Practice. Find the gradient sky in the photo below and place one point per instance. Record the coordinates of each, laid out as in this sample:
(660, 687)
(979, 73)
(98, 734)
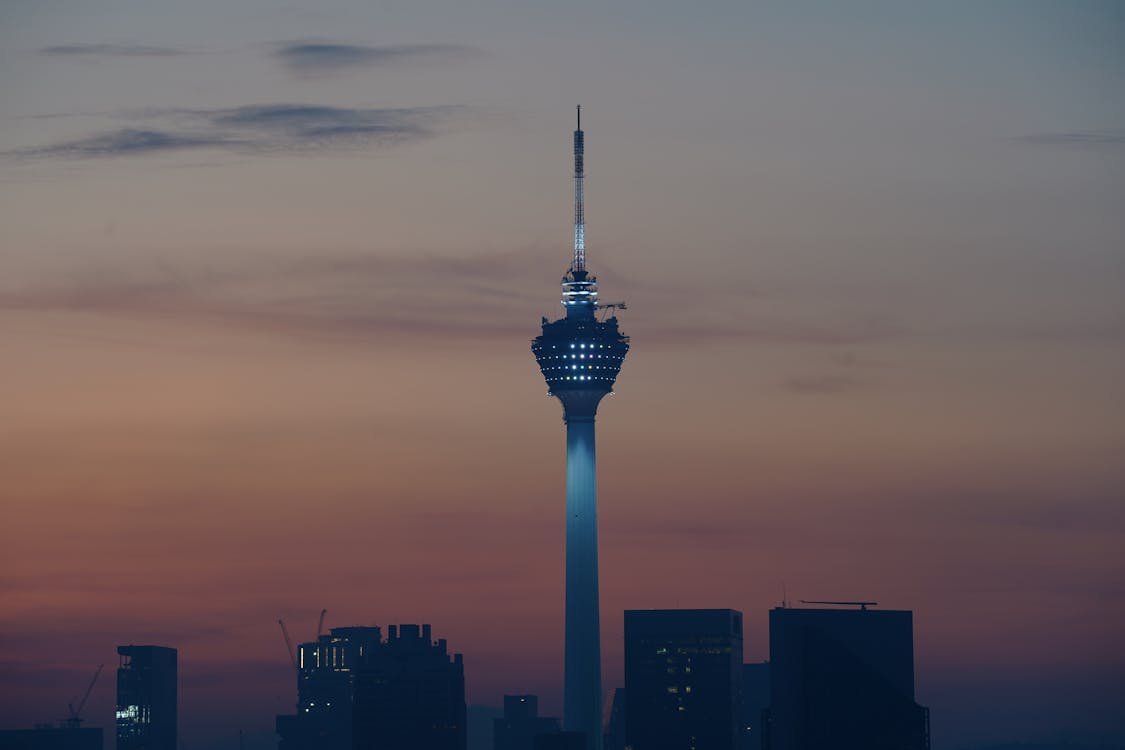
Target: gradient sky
(269, 273)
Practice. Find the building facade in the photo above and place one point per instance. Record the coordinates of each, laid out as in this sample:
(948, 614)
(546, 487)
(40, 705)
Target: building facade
(563, 740)
(409, 694)
(52, 738)
(521, 724)
(843, 679)
(326, 670)
(147, 679)
(683, 679)
(755, 702)
(615, 721)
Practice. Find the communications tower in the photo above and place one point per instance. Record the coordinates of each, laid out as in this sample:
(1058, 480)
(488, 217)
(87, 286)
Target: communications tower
(580, 356)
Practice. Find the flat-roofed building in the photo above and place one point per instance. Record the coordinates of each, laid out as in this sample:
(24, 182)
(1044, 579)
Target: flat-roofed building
(683, 679)
(843, 679)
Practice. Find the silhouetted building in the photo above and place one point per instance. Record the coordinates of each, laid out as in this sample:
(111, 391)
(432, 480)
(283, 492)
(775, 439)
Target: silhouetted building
(521, 723)
(409, 694)
(615, 722)
(683, 679)
(843, 679)
(146, 698)
(52, 738)
(325, 685)
(580, 357)
(755, 702)
(561, 741)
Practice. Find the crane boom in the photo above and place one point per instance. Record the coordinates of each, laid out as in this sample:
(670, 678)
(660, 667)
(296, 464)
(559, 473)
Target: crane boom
(288, 644)
(75, 719)
(320, 625)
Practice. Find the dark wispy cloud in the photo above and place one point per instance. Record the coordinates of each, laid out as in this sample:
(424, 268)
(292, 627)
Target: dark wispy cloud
(124, 142)
(312, 58)
(1100, 138)
(109, 50)
(255, 128)
(300, 126)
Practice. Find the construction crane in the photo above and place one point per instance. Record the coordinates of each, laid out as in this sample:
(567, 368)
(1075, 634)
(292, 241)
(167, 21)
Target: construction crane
(74, 721)
(611, 306)
(862, 605)
(289, 641)
(288, 644)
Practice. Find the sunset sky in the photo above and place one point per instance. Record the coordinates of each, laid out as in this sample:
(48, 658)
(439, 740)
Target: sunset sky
(269, 272)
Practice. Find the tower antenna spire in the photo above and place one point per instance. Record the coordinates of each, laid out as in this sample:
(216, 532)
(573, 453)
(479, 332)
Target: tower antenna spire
(579, 264)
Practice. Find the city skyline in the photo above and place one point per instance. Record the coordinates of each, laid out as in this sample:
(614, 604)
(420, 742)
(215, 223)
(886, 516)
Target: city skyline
(270, 276)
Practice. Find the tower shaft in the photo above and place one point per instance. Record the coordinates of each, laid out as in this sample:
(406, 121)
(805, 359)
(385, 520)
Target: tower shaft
(582, 710)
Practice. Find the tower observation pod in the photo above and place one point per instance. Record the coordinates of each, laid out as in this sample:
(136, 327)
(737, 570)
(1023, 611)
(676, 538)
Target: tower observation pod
(580, 357)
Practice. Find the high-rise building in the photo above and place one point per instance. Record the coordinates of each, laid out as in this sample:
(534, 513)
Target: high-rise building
(683, 679)
(755, 702)
(521, 723)
(580, 357)
(563, 740)
(325, 684)
(843, 679)
(409, 694)
(52, 738)
(615, 722)
(146, 698)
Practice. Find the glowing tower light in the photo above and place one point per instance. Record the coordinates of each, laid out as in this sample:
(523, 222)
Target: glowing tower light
(580, 357)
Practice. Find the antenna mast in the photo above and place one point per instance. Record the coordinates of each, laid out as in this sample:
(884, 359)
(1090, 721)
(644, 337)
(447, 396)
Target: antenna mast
(862, 605)
(579, 264)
